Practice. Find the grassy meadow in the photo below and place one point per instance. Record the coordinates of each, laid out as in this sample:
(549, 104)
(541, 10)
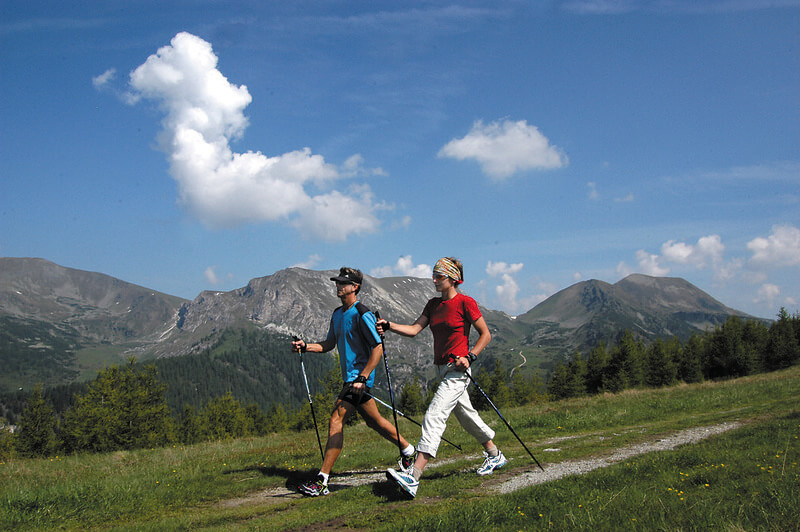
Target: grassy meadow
(747, 478)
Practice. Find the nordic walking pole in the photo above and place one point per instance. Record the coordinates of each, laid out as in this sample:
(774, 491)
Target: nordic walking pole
(411, 420)
(310, 402)
(501, 417)
(389, 384)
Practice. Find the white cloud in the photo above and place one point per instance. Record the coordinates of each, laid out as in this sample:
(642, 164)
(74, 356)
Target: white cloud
(211, 275)
(354, 167)
(503, 149)
(577, 276)
(707, 252)
(781, 248)
(507, 292)
(617, 7)
(494, 269)
(203, 113)
(649, 264)
(623, 270)
(104, 79)
(403, 267)
(402, 223)
(309, 263)
(625, 199)
(767, 294)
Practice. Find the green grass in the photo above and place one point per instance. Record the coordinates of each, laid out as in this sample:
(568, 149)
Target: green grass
(744, 479)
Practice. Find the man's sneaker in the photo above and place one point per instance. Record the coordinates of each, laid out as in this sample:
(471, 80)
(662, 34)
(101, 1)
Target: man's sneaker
(406, 463)
(313, 488)
(491, 463)
(406, 481)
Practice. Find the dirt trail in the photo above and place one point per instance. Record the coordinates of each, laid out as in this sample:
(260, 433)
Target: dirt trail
(505, 480)
(580, 467)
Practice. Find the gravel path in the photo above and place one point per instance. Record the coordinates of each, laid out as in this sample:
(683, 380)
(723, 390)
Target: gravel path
(580, 467)
(505, 480)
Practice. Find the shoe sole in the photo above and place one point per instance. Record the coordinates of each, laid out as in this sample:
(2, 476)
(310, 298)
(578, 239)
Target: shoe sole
(402, 486)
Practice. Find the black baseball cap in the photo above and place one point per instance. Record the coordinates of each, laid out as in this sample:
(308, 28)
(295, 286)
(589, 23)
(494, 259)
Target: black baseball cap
(348, 275)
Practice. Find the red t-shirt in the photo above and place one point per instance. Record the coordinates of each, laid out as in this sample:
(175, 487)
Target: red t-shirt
(450, 322)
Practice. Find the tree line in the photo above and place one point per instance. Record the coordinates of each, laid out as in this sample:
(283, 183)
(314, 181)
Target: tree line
(737, 348)
(127, 407)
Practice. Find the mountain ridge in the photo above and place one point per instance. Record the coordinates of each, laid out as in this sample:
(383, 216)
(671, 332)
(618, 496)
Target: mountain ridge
(93, 313)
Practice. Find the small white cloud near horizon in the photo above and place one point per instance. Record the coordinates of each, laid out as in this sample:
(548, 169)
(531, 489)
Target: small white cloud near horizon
(310, 263)
(221, 188)
(767, 294)
(403, 267)
(707, 252)
(211, 275)
(507, 292)
(505, 148)
(781, 248)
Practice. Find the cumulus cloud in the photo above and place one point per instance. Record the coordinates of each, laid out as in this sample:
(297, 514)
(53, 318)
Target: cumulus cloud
(781, 248)
(650, 264)
(505, 148)
(403, 267)
(707, 252)
(507, 291)
(767, 294)
(104, 79)
(204, 112)
(211, 275)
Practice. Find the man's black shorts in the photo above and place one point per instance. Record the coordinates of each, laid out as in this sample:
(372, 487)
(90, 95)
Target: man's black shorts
(357, 399)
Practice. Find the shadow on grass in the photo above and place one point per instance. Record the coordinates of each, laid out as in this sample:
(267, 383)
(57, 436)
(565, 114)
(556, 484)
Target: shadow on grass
(294, 477)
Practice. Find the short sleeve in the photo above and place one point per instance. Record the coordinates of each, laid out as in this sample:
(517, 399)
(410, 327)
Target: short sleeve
(368, 329)
(472, 310)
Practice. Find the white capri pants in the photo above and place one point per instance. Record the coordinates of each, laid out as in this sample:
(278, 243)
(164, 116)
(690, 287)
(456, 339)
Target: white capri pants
(451, 396)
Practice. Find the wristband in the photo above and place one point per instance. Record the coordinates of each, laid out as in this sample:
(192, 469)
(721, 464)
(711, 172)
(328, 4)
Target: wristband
(361, 379)
(471, 357)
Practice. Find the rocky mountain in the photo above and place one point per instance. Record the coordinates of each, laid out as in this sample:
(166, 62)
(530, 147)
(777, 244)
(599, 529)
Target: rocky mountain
(298, 301)
(585, 313)
(58, 324)
(97, 307)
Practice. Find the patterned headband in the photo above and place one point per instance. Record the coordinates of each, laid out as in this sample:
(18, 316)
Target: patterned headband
(447, 267)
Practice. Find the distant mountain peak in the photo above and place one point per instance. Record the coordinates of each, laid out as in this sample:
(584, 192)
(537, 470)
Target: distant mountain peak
(44, 306)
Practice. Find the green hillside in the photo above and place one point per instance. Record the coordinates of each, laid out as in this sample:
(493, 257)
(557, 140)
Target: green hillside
(716, 455)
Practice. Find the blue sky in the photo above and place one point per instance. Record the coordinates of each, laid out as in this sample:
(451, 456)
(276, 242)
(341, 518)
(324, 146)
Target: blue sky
(189, 146)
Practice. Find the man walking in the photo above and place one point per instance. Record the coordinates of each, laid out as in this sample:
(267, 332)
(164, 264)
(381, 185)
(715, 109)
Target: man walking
(352, 331)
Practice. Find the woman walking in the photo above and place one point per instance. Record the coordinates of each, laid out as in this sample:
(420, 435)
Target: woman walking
(450, 317)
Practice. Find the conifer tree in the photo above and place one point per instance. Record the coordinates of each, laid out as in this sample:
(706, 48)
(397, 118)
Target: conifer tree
(124, 408)
(225, 417)
(36, 435)
(560, 385)
(411, 400)
(782, 349)
(661, 369)
(690, 356)
(595, 368)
